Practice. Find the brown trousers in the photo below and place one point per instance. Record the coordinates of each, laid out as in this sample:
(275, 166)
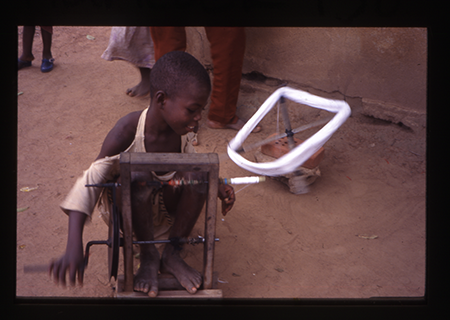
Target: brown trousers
(227, 47)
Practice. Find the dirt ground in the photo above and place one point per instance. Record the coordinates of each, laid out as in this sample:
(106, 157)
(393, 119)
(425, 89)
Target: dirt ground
(273, 244)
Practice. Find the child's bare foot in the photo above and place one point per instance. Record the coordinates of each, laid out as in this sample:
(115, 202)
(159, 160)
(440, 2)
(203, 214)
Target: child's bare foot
(142, 88)
(146, 278)
(235, 124)
(188, 277)
(139, 90)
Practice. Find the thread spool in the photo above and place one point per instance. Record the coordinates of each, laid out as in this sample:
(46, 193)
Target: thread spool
(242, 180)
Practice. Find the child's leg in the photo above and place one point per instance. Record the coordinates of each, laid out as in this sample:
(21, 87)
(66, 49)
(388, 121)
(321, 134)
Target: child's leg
(27, 43)
(185, 204)
(47, 42)
(146, 278)
(143, 87)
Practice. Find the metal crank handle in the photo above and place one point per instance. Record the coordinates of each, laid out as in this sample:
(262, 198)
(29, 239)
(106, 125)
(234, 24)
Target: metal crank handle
(37, 268)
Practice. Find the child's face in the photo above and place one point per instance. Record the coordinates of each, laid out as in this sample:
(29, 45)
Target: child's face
(183, 111)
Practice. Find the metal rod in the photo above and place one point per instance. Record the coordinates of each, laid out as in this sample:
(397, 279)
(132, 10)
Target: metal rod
(88, 246)
(34, 268)
(40, 268)
(181, 240)
(104, 185)
(287, 123)
(283, 135)
(182, 182)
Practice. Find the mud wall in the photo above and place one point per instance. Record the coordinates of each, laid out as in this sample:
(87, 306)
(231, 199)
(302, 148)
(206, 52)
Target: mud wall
(383, 68)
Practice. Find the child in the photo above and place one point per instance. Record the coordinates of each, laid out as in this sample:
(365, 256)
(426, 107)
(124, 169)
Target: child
(27, 46)
(179, 89)
(135, 45)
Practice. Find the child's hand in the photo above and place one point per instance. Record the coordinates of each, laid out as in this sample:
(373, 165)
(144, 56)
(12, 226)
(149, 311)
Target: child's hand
(226, 194)
(70, 262)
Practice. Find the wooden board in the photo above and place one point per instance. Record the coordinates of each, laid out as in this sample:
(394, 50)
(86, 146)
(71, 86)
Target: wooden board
(168, 282)
(195, 162)
(174, 294)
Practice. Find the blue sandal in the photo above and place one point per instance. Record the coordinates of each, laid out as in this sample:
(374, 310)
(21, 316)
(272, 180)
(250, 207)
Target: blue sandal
(22, 64)
(47, 65)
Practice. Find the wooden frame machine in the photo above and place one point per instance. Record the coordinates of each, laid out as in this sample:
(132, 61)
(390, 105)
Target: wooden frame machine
(189, 162)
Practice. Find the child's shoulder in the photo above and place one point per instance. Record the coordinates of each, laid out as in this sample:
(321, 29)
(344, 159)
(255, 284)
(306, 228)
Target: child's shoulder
(125, 128)
(121, 135)
(129, 122)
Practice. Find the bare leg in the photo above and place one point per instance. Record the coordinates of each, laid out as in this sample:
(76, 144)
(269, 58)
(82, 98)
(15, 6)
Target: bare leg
(185, 204)
(27, 43)
(47, 44)
(143, 87)
(146, 278)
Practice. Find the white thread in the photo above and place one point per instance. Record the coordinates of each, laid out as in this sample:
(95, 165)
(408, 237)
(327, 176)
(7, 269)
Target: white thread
(242, 188)
(297, 156)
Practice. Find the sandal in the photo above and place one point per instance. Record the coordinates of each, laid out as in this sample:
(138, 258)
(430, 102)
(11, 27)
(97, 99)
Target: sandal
(22, 64)
(47, 65)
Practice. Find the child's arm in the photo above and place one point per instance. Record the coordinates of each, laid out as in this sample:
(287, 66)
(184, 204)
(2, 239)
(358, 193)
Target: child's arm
(117, 140)
(72, 260)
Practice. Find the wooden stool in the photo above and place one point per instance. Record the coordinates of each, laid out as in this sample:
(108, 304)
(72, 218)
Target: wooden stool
(163, 162)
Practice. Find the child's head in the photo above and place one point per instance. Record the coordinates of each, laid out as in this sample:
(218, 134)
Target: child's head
(179, 88)
(175, 71)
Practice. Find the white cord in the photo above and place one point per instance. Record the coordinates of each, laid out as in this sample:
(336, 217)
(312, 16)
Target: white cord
(242, 188)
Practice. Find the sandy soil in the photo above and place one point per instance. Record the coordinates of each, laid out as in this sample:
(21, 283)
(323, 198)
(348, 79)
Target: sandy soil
(273, 244)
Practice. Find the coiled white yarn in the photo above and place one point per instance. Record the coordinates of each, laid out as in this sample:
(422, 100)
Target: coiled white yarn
(297, 156)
